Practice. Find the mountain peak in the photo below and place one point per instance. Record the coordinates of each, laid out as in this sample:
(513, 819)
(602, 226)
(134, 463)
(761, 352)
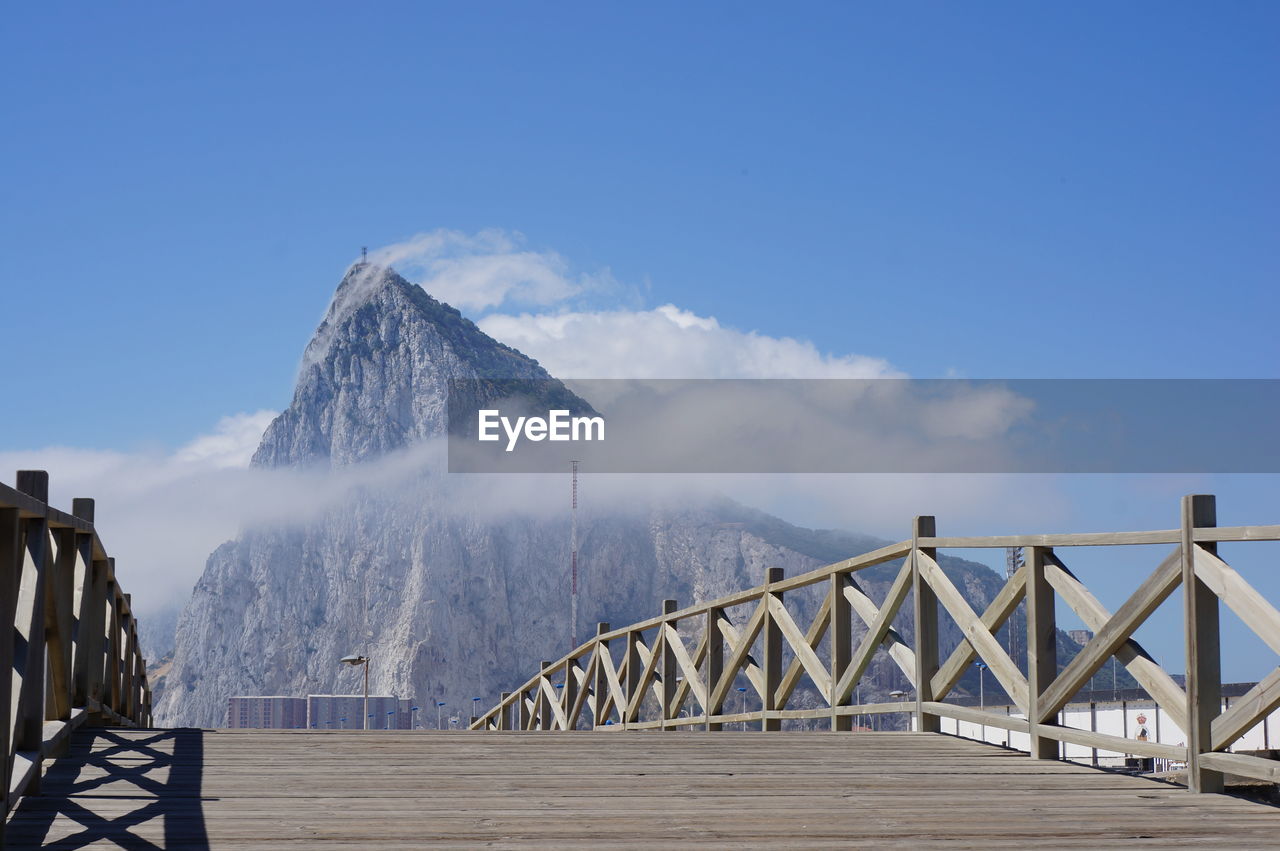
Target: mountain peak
(375, 376)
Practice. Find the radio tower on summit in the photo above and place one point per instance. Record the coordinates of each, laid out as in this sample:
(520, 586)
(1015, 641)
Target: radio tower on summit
(573, 557)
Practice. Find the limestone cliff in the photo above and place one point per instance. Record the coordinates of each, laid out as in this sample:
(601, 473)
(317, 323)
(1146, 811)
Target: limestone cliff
(450, 603)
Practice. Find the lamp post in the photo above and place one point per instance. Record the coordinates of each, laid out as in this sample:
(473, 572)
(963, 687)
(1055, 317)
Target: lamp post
(742, 705)
(982, 692)
(413, 717)
(389, 714)
(475, 707)
(343, 719)
(439, 709)
(354, 660)
(898, 694)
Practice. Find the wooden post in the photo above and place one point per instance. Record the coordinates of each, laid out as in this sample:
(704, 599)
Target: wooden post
(841, 635)
(926, 614)
(546, 719)
(10, 570)
(1042, 648)
(504, 712)
(523, 710)
(569, 694)
(772, 633)
(111, 686)
(1204, 658)
(635, 666)
(82, 628)
(96, 643)
(600, 687)
(130, 674)
(670, 669)
(57, 620)
(29, 654)
(715, 661)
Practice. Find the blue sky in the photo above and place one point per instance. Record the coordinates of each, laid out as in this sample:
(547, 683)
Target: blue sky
(995, 189)
(987, 190)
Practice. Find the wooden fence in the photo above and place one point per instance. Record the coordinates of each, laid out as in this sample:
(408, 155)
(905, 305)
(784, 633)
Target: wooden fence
(74, 651)
(644, 676)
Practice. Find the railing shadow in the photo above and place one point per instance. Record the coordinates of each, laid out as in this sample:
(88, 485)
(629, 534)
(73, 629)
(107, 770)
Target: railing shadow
(127, 786)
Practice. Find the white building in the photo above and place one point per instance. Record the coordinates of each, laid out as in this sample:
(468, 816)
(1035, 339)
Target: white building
(1130, 714)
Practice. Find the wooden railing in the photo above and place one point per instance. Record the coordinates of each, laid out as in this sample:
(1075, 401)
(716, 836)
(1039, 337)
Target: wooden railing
(66, 632)
(644, 676)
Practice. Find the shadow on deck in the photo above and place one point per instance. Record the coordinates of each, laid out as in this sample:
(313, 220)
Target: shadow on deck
(241, 789)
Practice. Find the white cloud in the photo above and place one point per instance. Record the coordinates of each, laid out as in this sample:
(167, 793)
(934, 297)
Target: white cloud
(232, 443)
(484, 270)
(159, 514)
(667, 342)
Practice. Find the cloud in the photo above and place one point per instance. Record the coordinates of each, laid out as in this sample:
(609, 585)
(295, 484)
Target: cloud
(232, 443)
(486, 269)
(667, 342)
(159, 514)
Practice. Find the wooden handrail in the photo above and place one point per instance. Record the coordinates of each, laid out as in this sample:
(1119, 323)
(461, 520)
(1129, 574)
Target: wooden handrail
(61, 614)
(644, 676)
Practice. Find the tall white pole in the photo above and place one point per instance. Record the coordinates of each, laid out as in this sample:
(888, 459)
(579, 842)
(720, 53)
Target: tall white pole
(573, 558)
(366, 692)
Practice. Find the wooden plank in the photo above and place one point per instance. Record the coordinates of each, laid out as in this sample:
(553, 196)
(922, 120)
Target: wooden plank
(1119, 744)
(875, 634)
(1204, 656)
(712, 645)
(998, 661)
(1042, 649)
(802, 646)
(862, 562)
(1107, 640)
(1242, 598)
(979, 716)
(1243, 765)
(812, 638)
(772, 649)
(1247, 711)
(839, 611)
(1162, 688)
(299, 789)
(894, 644)
(670, 672)
(10, 569)
(926, 623)
(1001, 607)
(690, 669)
(741, 643)
(1073, 539)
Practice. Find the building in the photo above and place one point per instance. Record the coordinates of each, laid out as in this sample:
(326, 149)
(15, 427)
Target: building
(1080, 636)
(274, 712)
(346, 712)
(1127, 713)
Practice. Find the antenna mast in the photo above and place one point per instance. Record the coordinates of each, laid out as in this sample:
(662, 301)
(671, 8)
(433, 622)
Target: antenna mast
(1012, 561)
(573, 558)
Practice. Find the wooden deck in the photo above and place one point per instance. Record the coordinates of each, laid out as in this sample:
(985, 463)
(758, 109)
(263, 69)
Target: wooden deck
(242, 789)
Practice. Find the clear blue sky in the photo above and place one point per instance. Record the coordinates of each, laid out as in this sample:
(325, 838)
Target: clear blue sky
(1000, 189)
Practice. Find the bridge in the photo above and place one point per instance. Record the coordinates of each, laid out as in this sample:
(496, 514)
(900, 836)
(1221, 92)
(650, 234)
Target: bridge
(631, 738)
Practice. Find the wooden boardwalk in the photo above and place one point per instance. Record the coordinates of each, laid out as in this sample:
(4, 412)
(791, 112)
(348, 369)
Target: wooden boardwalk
(239, 789)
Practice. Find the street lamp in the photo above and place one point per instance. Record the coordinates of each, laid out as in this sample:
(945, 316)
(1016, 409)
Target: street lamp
(439, 709)
(898, 693)
(475, 707)
(413, 718)
(354, 660)
(343, 719)
(982, 692)
(389, 714)
(742, 706)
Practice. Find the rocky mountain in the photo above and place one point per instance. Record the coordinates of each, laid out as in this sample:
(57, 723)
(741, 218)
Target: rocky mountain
(452, 592)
